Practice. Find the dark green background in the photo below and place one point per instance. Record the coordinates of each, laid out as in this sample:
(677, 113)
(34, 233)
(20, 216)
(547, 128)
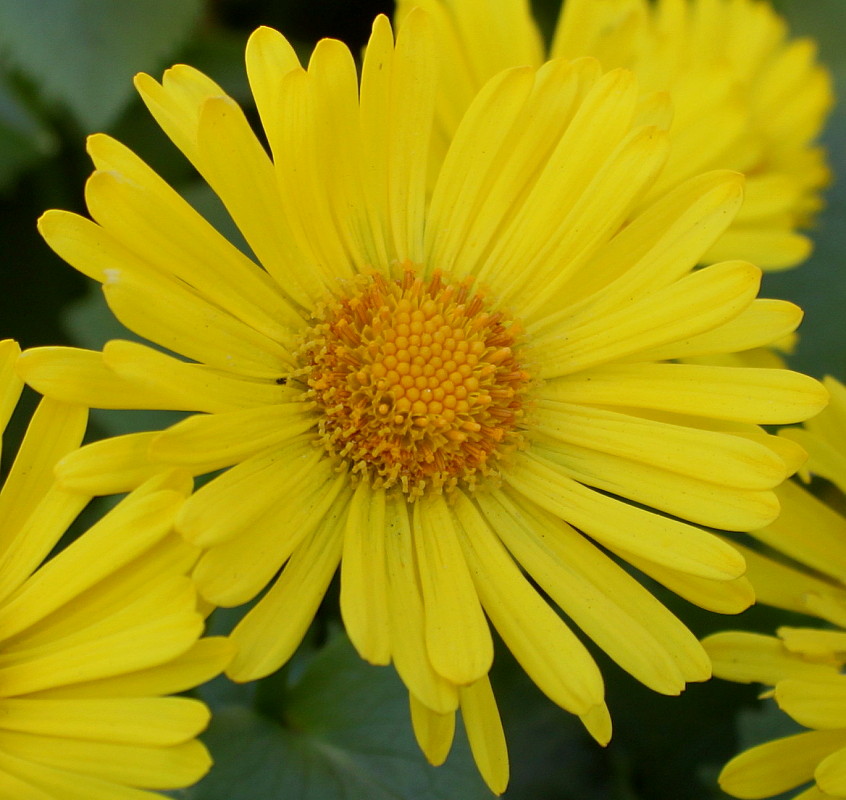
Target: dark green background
(329, 726)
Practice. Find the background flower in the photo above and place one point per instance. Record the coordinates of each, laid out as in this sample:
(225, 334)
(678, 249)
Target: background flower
(733, 74)
(549, 756)
(804, 665)
(93, 639)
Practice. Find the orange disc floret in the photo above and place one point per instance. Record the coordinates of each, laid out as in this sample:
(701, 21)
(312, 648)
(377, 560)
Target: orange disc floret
(418, 383)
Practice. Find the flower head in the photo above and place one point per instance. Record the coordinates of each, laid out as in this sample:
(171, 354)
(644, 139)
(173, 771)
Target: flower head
(807, 573)
(745, 95)
(437, 391)
(95, 637)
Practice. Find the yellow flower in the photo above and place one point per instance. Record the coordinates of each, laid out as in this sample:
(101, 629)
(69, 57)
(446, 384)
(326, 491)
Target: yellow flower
(804, 665)
(93, 638)
(745, 96)
(435, 391)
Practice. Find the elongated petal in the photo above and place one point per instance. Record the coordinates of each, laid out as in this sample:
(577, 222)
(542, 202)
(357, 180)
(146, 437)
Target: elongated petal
(109, 466)
(364, 590)
(10, 384)
(91, 558)
(242, 175)
(156, 721)
(692, 305)
(67, 784)
(549, 652)
(725, 458)
(760, 396)
(405, 601)
(599, 596)
(151, 767)
(188, 324)
(752, 657)
(54, 430)
(815, 705)
(656, 538)
(235, 571)
(698, 501)
(192, 387)
(283, 615)
(433, 731)
(484, 731)
(204, 660)
(780, 765)
(207, 443)
(457, 636)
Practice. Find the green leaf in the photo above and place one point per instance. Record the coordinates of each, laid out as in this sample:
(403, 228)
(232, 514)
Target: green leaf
(85, 52)
(344, 734)
(23, 139)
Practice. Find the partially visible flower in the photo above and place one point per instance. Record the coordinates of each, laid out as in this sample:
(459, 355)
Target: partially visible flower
(443, 391)
(745, 95)
(807, 573)
(92, 640)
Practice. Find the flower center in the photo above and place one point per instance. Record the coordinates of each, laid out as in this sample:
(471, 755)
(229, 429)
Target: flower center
(418, 383)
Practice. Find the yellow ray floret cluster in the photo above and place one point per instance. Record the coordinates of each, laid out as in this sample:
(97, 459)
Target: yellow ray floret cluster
(451, 389)
(804, 665)
(94, 639)
(745, 96)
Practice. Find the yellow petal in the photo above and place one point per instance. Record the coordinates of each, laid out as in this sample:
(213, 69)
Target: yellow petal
(484, 731)
(109, 466)
(208, 443)
(830, 774)
(27, 546)
(660, 539)
(780, 765)
(269, 56)
(149, 767)
(364, 590)
(661, 244)
(67, 784)
(433, 731)
(237, 569)
(191, 387)
(237, 168)
(271, 631)
(54, 430)
(599, 596)
(458, 639)
(539, 639)
(405, 602)
(808, 531)
(814, 705)
(191, 326)
(697, 303)
(176, 102)
(411, 113)
(10, 384)
(203, 661)
(158, 721)
(706, 455)
(118, 538)
(698, 501)
(721, 597)
(754, 658)
(121, 643)
(597, 722)
(759, 396)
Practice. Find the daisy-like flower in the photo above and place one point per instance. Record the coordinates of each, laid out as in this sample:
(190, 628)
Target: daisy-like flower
(804, 665)
(746, 96)
(435, 391)
(93, 639)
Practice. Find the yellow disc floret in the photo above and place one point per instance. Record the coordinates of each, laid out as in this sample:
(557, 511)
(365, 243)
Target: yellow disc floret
(417, 383)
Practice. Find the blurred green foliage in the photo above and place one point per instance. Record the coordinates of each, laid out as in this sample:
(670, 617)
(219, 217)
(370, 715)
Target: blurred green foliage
(330, 726)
